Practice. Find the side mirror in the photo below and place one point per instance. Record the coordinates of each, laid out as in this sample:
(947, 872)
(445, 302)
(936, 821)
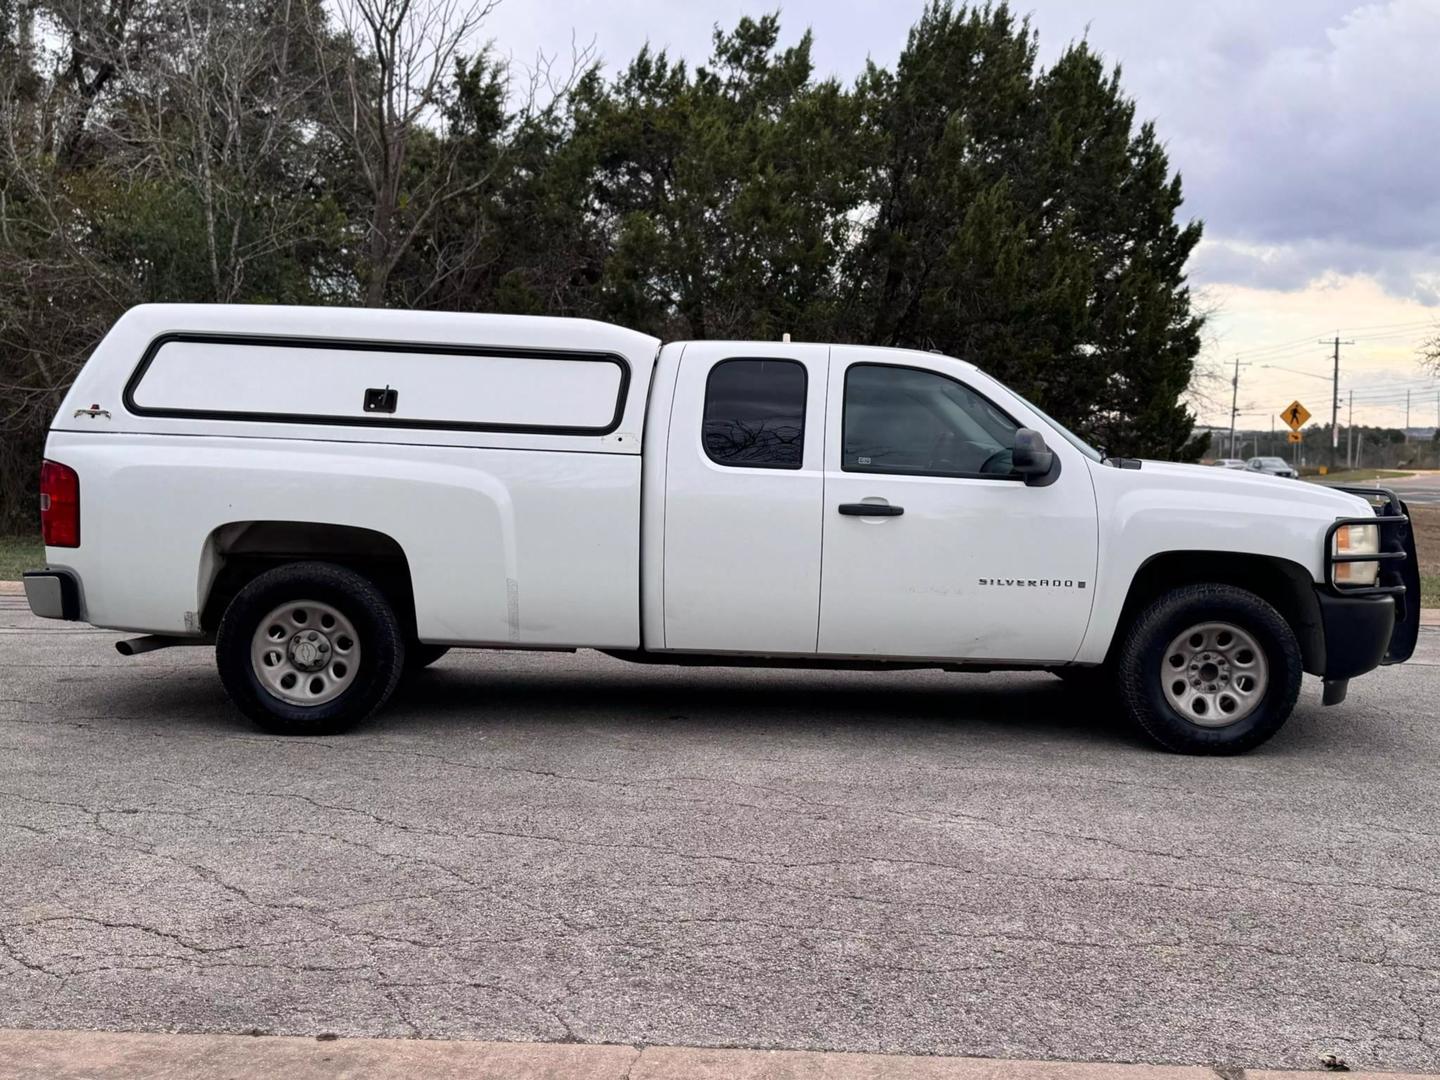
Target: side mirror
(1031, 458)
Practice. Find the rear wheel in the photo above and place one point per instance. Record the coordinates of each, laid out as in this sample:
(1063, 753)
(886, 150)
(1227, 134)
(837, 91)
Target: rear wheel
(309, 649)
(1210, 669)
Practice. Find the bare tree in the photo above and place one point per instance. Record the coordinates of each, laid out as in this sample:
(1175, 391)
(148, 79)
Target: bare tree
(1430, 353)
(99, 36)
(222, 111)
(387, 91)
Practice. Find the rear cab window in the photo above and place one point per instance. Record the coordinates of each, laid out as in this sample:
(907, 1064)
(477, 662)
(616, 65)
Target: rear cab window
(755, 413)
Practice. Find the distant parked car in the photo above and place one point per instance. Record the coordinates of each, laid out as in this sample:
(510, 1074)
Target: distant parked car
(1272, 466)
(1228, 463)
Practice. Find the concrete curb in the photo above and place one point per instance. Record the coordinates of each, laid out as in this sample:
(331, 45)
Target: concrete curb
(12, 588)
(104, 1055)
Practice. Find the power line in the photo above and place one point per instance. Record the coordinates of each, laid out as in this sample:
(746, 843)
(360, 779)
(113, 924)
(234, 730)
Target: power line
(1393, 393)
(1395, 329)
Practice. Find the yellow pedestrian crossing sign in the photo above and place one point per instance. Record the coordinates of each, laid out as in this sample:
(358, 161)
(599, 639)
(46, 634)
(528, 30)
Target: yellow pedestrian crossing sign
(1295, 415)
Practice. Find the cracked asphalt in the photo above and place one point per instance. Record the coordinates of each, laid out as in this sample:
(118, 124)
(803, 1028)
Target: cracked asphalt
(557, 847)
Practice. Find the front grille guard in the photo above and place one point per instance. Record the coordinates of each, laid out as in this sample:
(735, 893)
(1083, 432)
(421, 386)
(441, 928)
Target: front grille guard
(1399, 574)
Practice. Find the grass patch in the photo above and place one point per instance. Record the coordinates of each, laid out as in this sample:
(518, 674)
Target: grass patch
(1430, 590)
(19, 553)
(1356, 476)
(1426, 520)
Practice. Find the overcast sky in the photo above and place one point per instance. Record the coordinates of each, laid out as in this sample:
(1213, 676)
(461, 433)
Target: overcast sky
(1307, 133)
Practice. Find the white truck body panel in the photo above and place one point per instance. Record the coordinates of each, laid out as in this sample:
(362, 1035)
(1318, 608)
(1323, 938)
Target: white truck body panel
(503, 548)
(512, 477)
(1166, 507)
(742, 545)
(931, 584)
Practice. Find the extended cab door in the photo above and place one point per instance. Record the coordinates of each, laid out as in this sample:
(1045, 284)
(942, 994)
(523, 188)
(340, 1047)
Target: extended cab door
(960, 559)
(743, 487)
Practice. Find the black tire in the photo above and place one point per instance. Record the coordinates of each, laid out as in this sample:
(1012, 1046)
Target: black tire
(1141, 677)
(381, 643)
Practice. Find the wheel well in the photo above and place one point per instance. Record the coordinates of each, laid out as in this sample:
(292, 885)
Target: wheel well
(1284, 585)
(236, 553)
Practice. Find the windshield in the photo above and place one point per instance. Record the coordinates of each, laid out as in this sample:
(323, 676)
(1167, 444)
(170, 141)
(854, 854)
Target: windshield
(1070, 437)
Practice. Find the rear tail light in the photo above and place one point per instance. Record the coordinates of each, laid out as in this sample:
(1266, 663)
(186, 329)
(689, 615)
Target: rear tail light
(59, 505)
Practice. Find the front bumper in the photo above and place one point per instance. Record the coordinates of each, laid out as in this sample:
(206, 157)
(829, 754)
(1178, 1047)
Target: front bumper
(1358, 631)
(1372, 625)
(53, 594)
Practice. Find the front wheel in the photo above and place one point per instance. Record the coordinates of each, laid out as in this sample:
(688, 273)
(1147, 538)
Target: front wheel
(309, 648)
(1210, 669)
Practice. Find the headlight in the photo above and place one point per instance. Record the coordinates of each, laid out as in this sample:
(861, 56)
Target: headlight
(1356, 540)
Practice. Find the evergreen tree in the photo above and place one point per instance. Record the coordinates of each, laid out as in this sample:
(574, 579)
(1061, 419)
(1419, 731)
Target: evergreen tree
(727, 192)
(1023, 223)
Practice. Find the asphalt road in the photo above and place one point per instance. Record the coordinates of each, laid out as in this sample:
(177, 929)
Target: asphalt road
(1422, 489)
(530, 847)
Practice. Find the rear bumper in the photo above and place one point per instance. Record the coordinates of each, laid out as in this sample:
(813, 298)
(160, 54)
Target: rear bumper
(53, 594)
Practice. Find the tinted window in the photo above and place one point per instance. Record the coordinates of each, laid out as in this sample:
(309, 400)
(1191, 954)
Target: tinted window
(904, 420)
(755, 413)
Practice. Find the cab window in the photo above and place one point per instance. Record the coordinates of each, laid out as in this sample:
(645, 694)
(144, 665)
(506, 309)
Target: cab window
(755, 414)
(907, 420)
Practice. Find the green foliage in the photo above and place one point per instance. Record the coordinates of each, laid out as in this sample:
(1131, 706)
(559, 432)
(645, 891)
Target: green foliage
(1024, 223)
(964, 200)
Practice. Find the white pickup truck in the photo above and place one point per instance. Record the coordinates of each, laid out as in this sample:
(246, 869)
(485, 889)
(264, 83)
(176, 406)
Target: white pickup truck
(333, 496)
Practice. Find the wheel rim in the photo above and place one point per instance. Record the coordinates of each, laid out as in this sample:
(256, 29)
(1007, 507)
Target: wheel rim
(305, 653)
(1214, 674)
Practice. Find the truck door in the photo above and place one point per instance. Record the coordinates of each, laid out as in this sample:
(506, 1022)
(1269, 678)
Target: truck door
(960, 558)
(743, 487)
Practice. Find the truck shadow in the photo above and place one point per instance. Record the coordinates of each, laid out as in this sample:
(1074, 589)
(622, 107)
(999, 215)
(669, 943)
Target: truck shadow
(485, 694)
(732, 699)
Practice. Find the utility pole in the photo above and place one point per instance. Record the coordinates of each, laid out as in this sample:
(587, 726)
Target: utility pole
(1407, 416)
(1235, 402)
(1335, 401)
(1350, 435)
